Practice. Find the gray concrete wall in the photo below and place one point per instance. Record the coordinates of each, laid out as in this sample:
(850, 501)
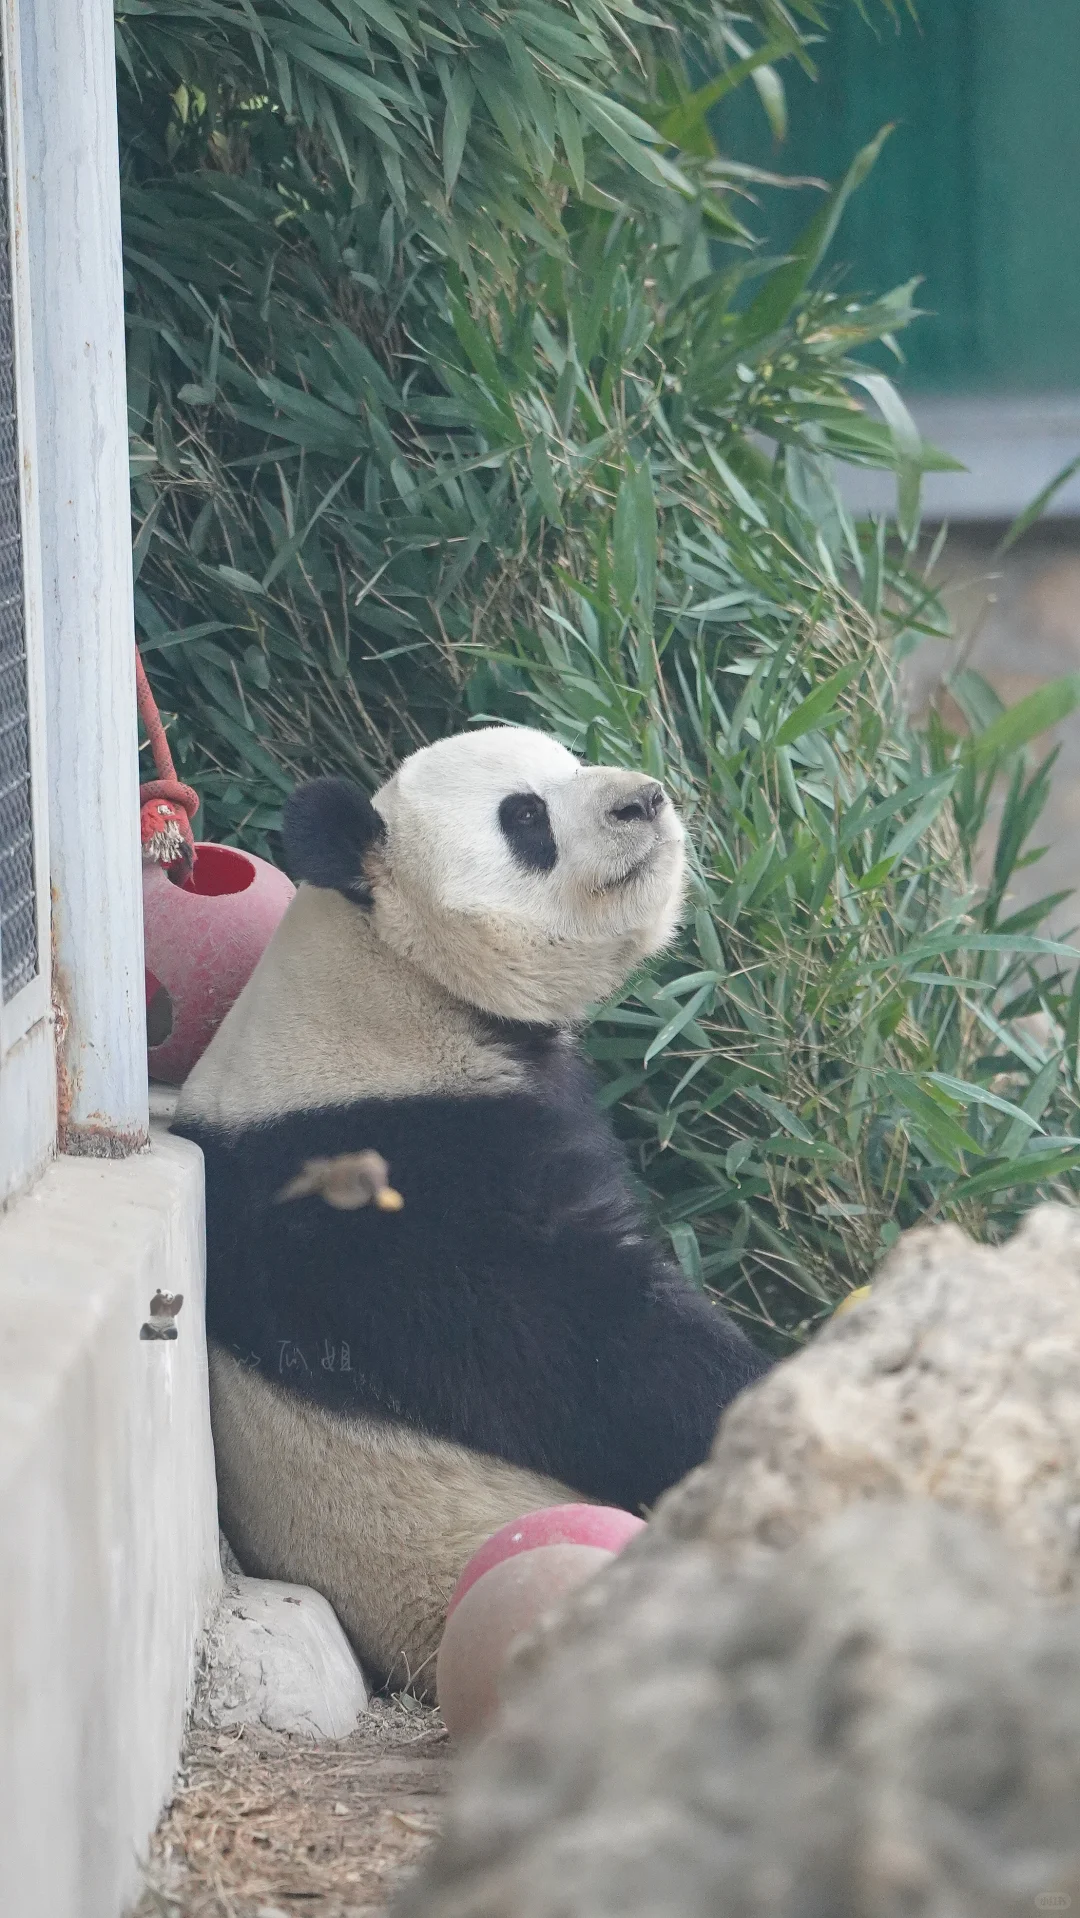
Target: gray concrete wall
(108, 1529)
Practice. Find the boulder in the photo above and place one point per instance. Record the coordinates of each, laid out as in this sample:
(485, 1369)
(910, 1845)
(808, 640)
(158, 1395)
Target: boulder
(275, 1655)
(956, 1379)
(864, 1594)
(883, 1722)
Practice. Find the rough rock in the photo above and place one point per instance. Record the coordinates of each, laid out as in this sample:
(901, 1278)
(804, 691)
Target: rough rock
(957, 1379)
(275, 1655)
(838, 1676)
(882, 1723)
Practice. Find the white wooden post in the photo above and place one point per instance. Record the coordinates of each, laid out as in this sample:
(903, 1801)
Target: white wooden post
(73, 222)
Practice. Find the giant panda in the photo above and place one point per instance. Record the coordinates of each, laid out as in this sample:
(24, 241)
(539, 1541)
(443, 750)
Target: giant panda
(387, 1388)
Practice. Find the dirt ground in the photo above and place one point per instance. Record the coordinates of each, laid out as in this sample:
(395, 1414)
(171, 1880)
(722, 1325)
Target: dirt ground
(266, 1825)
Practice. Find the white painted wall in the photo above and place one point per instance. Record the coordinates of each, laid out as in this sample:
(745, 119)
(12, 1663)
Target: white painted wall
(73, 230)
(108, 1528)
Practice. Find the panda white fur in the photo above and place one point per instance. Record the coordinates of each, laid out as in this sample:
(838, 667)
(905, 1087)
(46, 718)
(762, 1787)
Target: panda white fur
(389, 1388)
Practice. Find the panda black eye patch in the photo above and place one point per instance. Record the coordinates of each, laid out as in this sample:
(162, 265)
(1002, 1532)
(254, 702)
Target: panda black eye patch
(526, 827)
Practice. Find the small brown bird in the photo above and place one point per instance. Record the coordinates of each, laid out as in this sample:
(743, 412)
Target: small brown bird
(348, 1182)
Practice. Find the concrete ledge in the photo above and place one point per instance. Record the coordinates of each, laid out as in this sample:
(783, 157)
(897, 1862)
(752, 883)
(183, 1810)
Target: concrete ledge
(1012, 445)
(108, 1521)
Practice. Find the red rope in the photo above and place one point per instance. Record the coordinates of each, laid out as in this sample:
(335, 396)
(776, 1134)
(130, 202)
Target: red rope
(167, 806)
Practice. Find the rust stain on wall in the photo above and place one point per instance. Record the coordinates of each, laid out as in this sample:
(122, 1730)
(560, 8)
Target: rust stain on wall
(94, 1137)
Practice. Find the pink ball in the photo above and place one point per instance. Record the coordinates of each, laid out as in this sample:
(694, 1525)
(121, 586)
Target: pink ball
(601, 1525)
(509, 1598)
(203, 942)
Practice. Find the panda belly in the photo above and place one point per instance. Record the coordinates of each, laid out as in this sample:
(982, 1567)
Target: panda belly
(378, 1517)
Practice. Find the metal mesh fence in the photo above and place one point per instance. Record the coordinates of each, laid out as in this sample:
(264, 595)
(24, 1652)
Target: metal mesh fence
(18, 914)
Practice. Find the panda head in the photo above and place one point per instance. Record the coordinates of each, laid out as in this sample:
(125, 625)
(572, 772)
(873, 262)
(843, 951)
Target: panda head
(523, 881)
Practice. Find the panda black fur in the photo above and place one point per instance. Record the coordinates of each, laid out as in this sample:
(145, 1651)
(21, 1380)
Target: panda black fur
(387, 1388)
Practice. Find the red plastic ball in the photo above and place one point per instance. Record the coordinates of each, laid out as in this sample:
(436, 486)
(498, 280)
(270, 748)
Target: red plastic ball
(519, 1573)
(203, 942)
(507, 1600)
(605, 1526)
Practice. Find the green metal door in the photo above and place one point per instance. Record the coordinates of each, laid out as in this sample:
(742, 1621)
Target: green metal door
(978, 189)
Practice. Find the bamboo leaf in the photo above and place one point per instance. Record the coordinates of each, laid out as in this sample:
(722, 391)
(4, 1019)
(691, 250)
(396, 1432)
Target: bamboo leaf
(1038, 506)
(456, 122)
(771, 307)
(813, 709)
(544, 479)
(685, 123)
(1044, 708)
(678, 1023)
(570, 135)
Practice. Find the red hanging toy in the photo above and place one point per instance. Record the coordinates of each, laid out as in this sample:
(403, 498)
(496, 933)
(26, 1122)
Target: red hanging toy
(209, 912)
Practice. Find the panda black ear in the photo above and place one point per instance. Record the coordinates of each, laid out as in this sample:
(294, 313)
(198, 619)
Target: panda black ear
(328, 827)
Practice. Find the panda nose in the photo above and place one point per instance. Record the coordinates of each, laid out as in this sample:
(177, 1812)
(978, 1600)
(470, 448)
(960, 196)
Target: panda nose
(644, 805)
